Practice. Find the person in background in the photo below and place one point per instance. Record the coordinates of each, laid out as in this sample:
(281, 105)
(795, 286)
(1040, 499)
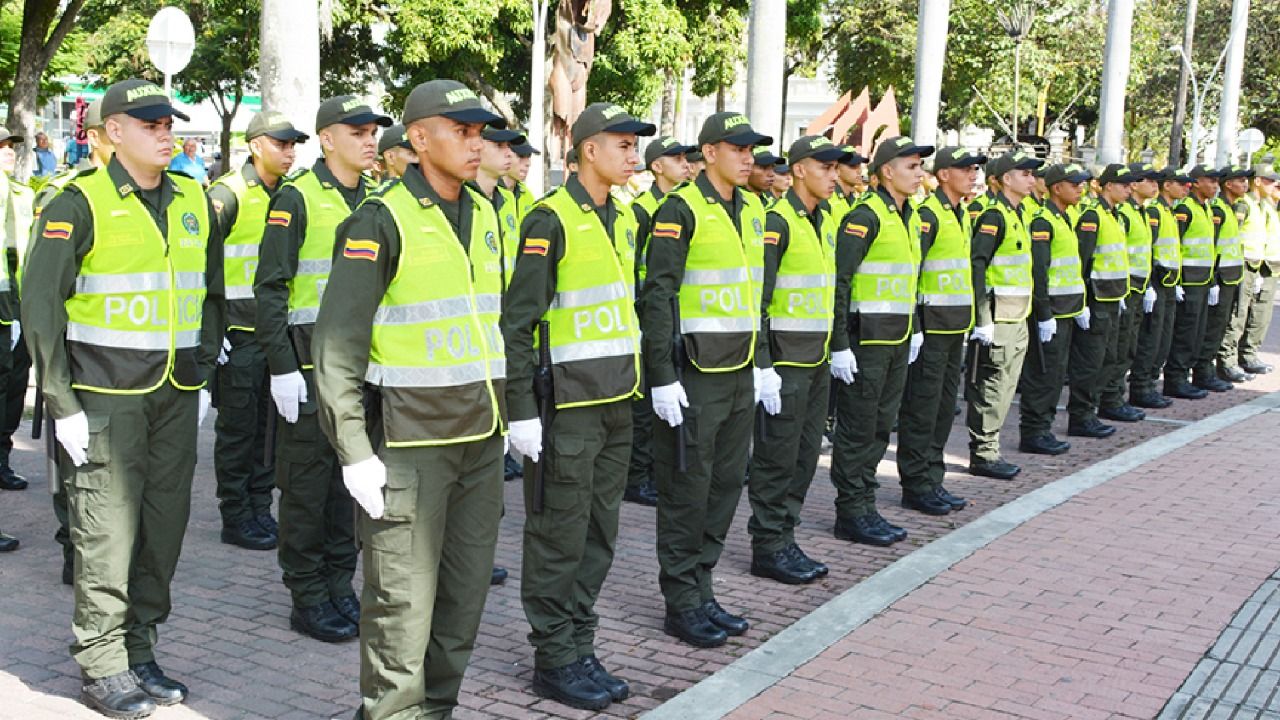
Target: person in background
(190, 162)
(46, 160)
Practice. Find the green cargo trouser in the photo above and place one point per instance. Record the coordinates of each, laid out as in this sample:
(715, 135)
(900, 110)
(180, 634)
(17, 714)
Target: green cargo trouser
(245, 475)
(640, 469)
(696, 507)
(1259, 321)
(15, 367)
(1121, 359)
(1215, 328)
(427, 562)
(867, 410)
(129, 506)
(1188, 333)
(1041, 389)
(1092, 352)
(928, 411)
(317, 549)
(1155, 335)
(784, 458)
(989, 398)
(568, 547)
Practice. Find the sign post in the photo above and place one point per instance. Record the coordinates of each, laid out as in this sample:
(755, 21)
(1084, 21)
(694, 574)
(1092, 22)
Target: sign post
(170, 42)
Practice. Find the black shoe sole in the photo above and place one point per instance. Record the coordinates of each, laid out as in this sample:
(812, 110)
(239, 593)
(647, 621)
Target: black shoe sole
(1032, 450)
(666, 628)
(166, 702)
(301, 627)
(552, 694)
(1095, 436)
(640, 500)
(232, 540)
(15, 486)
(849, 537)
(994, 475)
(1151, 405)
(92, 704)
(783, 578)
(934, 511)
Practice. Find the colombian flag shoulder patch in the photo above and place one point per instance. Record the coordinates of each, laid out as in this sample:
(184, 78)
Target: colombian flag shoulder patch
(58, 230)
(1042, 235)
(1153, 222)
(360, 250)
(279, 217)
(536, 246)
(667, 230)
(771, 238)
(1089, 227)
(987, 229)
(855, 229)
(925, 226)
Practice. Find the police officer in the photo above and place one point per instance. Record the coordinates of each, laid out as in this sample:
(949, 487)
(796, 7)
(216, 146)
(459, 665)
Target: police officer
(16, 213)
(413, 340)
(1197, 232)
(666, 159)
(1058, 297)
(123, 317)
(1260, 235)
(1231, 214)
(397, 155)
(1002, 287)
(781, 180)
(495, 162)
(987, 197)
(1138, 245)
(317, 549)
(1159, 303)
(515, 177)
(763, 169)
(706, 260)
(946, 314)
(798, 296)
(877, 262)
(697, 163)
(245, 473)
(575, 274)
(850, 183)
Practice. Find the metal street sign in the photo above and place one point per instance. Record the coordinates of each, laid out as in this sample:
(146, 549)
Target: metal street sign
(1250, 140)
(170, 42)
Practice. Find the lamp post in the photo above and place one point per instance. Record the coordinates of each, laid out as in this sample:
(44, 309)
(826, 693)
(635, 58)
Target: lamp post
(1016, 21)
(1199, 94)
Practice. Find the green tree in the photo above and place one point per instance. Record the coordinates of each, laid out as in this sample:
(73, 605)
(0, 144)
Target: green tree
(45, 26)
(644, 44)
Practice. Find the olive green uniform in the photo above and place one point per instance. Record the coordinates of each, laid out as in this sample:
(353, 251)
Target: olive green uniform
(867, 408)
(1128, 323)
(1155, 333)
(785, 456)
(130, 502)
(568, 546)
(1192, 312)
(317, 544)
(1093, 351)
(1045, 366)
(428, 559)
(993, 377)
(246, 475)
(1233, 338)
(1217, 317)
(640, 468)
(696, 507)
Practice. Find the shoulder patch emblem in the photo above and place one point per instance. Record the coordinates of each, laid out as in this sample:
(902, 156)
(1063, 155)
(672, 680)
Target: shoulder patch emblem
(667, 230)
(988, 229)
(58, 230)
(536, 246)
(360, 250)
(1042, 235)
(491, 241)
(757, 226)
(855, 229)
(771, 238)
(279, 217)
(1089, 227)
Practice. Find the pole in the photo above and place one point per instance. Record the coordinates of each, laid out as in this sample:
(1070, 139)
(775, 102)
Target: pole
(1229, 107)
(537, 98)
(931, 49)
(766, 48)
(1184, 73)
(1115, 76)
(1017, 86)
(289, 66)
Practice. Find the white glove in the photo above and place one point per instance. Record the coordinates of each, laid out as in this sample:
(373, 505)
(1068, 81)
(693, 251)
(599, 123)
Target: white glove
(1149, 300)
(205, 401)
(843, 366)
(224, 352)
(364, 482)
(15, 328)
(73, 434)
(984, 334)
(1179, 294)
(1047, 329)
(917, 342)
(288, 391)
(1257, 288)
(1082, 320)
(667, 401)
(1121, 304)
(1214, 292)
(769, 388)
(526, 437)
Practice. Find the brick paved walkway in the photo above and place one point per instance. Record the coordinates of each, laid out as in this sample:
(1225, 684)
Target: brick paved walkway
(229, 636)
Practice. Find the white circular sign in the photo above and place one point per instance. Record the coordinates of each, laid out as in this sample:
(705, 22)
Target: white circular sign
(1250, 140)
(170, 40)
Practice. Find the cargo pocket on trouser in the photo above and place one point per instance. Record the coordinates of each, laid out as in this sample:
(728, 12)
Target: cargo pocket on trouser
(390, 565)
(96, 501)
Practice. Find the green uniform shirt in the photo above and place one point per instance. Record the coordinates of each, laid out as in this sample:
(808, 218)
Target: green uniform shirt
(983, 248)
(1089, 238)
(773, 252)
(341, 343)
(51, 278)
(225, 204)
(852, 245)
(278, 263)
(1041, 256)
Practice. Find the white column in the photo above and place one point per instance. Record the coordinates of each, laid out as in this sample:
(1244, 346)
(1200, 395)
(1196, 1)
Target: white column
(289, 67)
(931, 49)
(766, 53)
(1229, 108)
(1115, 77)
(538, 100)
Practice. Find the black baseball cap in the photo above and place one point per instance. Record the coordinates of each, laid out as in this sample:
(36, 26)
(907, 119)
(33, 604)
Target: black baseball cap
(1144, 171)
(663, 147)
(502, 135)
(1204, 171)
(393, 137)
(782, 168)
(730, 127)
(1231, 172)
(694, 156)
(273, 125)
(896, 147)
(571, 157)
(605, 117)
(1118, 173)
(449, 98)
(1066, 172)
(1013, 160)
(524, 149)
(852, 157)
(817, 147)
(140, 99)
(764, 157)
(953, 156)
(348, 110)
(6, 135)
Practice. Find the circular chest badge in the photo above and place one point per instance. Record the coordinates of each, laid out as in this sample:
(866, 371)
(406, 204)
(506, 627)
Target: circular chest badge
(190, 223)
(758, 226)
(491, 242)
(631, 239)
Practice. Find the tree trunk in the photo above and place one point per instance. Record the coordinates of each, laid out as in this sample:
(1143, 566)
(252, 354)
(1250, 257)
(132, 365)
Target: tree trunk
(720, 98)
(289, 66)
(36, 48)
(668, 119)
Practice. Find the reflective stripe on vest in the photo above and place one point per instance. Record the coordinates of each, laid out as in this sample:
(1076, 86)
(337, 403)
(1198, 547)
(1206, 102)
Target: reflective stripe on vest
(1066, 286)
(1197, 245)
(720, 294)
(240, 249)
(593, 328)
(1229, 251)
(1166, 250)
(650, 204)
(884, 285)
(134, 320)
(946, 275)
(1109, 274)
(801, 309)
(1009, 273)
(326, 209)
(435, 351)
(1138, 244)
(1272, 252)
(1253, 234)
